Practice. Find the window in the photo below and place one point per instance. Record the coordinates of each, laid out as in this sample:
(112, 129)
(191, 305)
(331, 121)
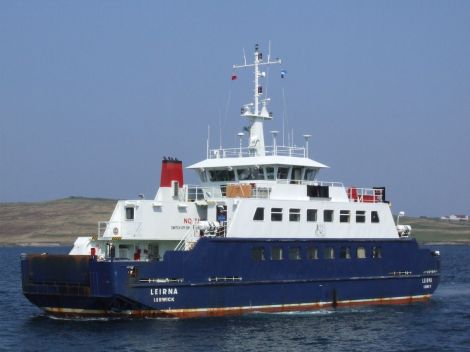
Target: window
(294, 253)
(311, 214)
(310, 174)
(202, 176)
(345, 253)
(344, 215)
(312, 253)
(129, 213)
(257, 253)
(221, 175)
(276, 253)
(374, 217)
(360, 216)
(296, 173)
(376, 252)
(251, 173)
(328, 215)
(329, 253)
(270, 173)
(282, 173)
(276, 214)
(361, 252)
(294, 214)
(259, 214)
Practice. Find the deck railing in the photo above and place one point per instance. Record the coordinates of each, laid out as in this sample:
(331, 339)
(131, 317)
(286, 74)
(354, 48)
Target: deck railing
(127, 229)
(365, 195)
(279, 150)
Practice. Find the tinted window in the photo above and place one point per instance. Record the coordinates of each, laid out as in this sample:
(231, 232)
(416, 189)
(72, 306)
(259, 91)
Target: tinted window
(311, 214)
(360, 216)
(282, 173)
(294, 214)
(222, 175)
(344, 216)
(276, 253)
(276, 214)
(259, 214)
(294, 253)
(312, 253)
(329, 253)
(374, 217)
(257, 253)
(376, 252)
(345, 253)
(270, 173)
(328, 215)
(130, 213)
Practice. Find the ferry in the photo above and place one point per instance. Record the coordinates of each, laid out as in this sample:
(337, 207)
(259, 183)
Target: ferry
(261, 233)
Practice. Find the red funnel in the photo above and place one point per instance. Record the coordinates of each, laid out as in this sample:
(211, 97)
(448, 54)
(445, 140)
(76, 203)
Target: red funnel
(172, 170)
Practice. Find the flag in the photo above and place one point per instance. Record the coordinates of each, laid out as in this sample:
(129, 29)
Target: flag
(283, 73)
(234, 77)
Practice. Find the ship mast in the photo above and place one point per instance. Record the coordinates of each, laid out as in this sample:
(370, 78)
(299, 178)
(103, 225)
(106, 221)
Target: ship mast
(252, 111)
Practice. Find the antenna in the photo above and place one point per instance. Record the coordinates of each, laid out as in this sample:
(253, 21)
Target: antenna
(306, 136)
(240, 136)
(269, 50)
(257, 112)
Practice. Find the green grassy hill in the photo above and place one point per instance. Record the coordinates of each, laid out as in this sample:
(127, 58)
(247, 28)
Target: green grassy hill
(53, 222)
(61, 221)
(436, 230)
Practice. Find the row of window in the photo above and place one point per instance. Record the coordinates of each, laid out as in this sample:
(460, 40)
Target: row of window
(312, 215)
(312, 253)
(259, 173)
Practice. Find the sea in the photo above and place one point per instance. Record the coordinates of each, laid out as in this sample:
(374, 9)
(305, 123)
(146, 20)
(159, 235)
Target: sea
(442, 324)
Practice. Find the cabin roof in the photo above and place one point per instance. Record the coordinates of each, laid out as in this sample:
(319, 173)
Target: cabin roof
(257, 160)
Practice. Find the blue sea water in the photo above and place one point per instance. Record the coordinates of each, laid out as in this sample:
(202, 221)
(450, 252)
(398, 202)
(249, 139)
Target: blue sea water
(443, 324)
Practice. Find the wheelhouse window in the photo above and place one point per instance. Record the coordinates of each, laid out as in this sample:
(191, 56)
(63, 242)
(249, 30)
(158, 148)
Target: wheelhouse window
(294, 214)
(282, 173)
(276, 253)
(251, 173)
(296, 174)
(376, 252)
(276, 214)
(312, 253)
(344, 215)
(129, 213)
(294, 253)
(329, 253)
(221, 175)
(345, 253)
(269, 173)
(374, 217)
(259, 214)
(328, 215)
(257, 253)
(361, 253)
(360, 216)
(311, 214)
(310, 174)
(202, 176)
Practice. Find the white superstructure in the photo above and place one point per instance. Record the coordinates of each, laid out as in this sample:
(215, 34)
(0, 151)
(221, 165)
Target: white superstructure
(253, 191)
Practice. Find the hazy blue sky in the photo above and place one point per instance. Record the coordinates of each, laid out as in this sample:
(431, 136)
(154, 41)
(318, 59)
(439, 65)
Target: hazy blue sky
(94, 93)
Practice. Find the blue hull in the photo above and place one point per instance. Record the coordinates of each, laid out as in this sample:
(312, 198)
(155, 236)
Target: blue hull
(222, 276)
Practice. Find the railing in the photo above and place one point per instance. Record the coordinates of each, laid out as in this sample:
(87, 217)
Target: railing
(311, 183)
(365, 195)
(127, 229)
(280, 150)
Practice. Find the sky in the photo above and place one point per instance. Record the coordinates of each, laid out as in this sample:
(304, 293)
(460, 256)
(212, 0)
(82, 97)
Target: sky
(94, 93)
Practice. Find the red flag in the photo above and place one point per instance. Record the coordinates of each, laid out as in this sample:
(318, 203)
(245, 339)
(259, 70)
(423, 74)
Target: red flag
(234, 77)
